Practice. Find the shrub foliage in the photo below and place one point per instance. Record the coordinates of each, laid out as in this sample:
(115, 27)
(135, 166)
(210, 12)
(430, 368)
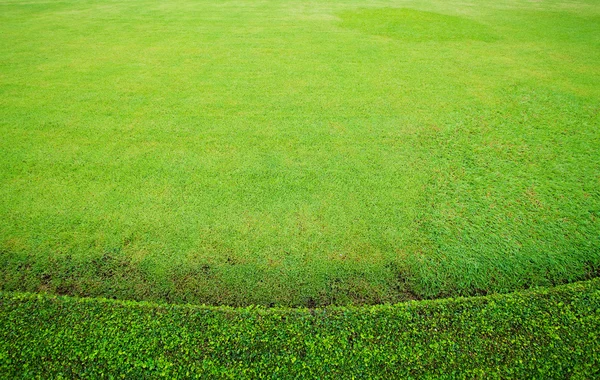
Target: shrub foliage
(546, 332)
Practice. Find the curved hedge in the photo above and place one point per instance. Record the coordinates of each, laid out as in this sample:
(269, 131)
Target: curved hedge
(545, 333)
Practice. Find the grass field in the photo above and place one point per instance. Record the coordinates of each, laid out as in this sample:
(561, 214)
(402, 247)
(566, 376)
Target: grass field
(298, 153)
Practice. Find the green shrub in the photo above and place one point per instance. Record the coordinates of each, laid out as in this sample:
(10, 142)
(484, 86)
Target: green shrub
(549, 333)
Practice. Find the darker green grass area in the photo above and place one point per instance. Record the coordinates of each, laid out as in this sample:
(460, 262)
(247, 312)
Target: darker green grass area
(292, 154)
(416, 26)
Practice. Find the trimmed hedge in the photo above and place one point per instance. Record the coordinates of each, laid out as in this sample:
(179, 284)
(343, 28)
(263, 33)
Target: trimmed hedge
(544, 333)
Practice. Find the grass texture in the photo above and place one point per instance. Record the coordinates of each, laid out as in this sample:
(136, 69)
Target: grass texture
(298, 153)
(547, 333)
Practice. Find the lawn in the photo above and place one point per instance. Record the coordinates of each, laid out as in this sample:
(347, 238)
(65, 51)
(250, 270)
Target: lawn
(298, 153)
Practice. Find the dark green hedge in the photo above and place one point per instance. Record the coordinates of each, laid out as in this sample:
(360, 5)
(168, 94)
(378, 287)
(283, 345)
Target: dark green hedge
(545, 333)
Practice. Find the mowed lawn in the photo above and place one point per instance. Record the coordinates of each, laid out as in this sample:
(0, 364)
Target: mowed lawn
(296, 153)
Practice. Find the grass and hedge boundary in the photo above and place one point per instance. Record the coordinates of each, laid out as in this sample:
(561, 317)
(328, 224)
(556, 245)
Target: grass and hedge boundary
(544, 332)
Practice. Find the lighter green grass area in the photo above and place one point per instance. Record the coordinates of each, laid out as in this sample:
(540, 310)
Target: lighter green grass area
(298, 153)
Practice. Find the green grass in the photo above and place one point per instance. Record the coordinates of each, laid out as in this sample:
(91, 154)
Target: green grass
(547, 333)
(298, 153)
